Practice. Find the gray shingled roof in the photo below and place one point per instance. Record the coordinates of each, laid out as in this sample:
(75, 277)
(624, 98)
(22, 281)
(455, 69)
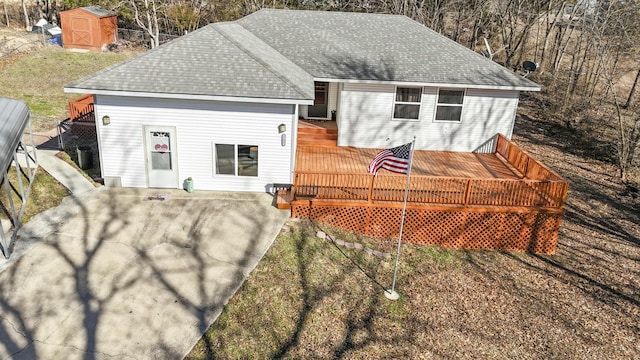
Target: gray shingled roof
(360, 46)
(206, 62)
(276, 54)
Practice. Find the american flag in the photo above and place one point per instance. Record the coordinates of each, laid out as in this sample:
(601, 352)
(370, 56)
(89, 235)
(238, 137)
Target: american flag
(395, 159)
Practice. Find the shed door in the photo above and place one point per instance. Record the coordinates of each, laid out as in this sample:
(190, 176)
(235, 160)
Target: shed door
(162, 169)
(81, 31)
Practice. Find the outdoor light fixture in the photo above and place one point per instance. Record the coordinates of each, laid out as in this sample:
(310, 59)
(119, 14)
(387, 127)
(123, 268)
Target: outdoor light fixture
(282, 128)
(106, 120)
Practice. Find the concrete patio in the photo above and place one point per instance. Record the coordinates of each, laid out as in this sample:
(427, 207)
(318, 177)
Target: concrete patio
(111, 275)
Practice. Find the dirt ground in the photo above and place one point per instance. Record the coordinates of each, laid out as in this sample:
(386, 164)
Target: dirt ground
(14, 42)
(598, 255)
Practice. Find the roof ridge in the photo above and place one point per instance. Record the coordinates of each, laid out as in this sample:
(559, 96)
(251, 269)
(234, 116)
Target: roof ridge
(351, 13)
(488, 61)
(134, 58)
(287, 77)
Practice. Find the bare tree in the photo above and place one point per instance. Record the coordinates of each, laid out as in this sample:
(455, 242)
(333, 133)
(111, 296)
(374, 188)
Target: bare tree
(593, 57)
(6, 13)
(628, 133)
(26, 15)
(553, 16)
(184, 16)
(515, 19)
(146, 15)
(632, 91)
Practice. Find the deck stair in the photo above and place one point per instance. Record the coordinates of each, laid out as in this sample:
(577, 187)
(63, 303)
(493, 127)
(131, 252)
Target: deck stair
(284, 198)
(317, 136)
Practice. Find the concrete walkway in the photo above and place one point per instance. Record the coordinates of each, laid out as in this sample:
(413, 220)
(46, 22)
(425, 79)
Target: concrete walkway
(110, 274)
(66, 174)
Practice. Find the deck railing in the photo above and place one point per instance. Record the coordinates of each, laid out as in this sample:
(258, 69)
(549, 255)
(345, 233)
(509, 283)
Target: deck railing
(431, 190)
(523, 162)
(82, 109)
(540, 187)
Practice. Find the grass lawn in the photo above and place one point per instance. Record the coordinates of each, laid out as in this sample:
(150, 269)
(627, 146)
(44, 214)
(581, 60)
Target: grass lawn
(46, 193)
(311, 298)
(38, 79)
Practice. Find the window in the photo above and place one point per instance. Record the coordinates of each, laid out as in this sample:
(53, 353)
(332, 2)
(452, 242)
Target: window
(449, 106)
(237, 160)
(407, 104)
(160, 150)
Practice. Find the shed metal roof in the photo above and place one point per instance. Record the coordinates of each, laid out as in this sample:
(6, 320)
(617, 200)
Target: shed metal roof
(98, 11)
(14, 116)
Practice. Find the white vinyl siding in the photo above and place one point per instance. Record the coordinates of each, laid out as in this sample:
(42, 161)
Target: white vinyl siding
(365, 116)
(199, 124)
(486, 113)
(333, 98)
(366, 112)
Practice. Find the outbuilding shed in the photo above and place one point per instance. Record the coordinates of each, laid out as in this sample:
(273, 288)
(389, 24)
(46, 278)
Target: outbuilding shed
(89, 27)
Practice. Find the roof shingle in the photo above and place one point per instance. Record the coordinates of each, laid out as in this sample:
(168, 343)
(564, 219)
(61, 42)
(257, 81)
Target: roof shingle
(205, 62)
(276, 54)
(380, 47)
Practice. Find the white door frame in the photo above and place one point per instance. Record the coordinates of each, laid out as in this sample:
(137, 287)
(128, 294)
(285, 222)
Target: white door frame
(156, 147)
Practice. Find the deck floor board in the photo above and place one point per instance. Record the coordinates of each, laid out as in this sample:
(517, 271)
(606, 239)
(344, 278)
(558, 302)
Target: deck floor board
(350, 160)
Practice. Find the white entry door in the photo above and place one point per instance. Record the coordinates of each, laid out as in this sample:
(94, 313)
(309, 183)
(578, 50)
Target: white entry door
(162, 167)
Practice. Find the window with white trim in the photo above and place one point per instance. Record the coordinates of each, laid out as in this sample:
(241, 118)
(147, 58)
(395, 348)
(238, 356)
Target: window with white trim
(236, 160)
(449, 106)
(407, 103)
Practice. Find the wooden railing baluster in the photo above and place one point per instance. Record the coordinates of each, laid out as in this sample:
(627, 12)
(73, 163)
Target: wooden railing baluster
(541, 187)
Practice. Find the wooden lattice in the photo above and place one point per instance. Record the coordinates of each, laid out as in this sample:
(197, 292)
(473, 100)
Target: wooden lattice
(86, 132)
(516, 206)
(530, 230)
(82, 117)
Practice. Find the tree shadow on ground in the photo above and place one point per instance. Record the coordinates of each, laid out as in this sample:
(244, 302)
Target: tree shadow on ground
(599, 242)
(109, 259)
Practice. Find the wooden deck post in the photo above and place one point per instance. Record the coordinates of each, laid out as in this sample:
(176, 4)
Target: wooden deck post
(294, 188)
(467, 192)
(370, 195)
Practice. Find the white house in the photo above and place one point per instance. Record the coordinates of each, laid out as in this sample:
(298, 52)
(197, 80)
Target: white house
(221, 105)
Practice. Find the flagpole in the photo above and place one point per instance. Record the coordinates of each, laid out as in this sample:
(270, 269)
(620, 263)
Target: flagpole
(392, 294)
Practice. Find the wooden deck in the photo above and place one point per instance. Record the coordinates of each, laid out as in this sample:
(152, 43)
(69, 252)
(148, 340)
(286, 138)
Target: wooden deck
(317, 124)
(437, 178)
(349, 160)
(502, 200)
(317, 133)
